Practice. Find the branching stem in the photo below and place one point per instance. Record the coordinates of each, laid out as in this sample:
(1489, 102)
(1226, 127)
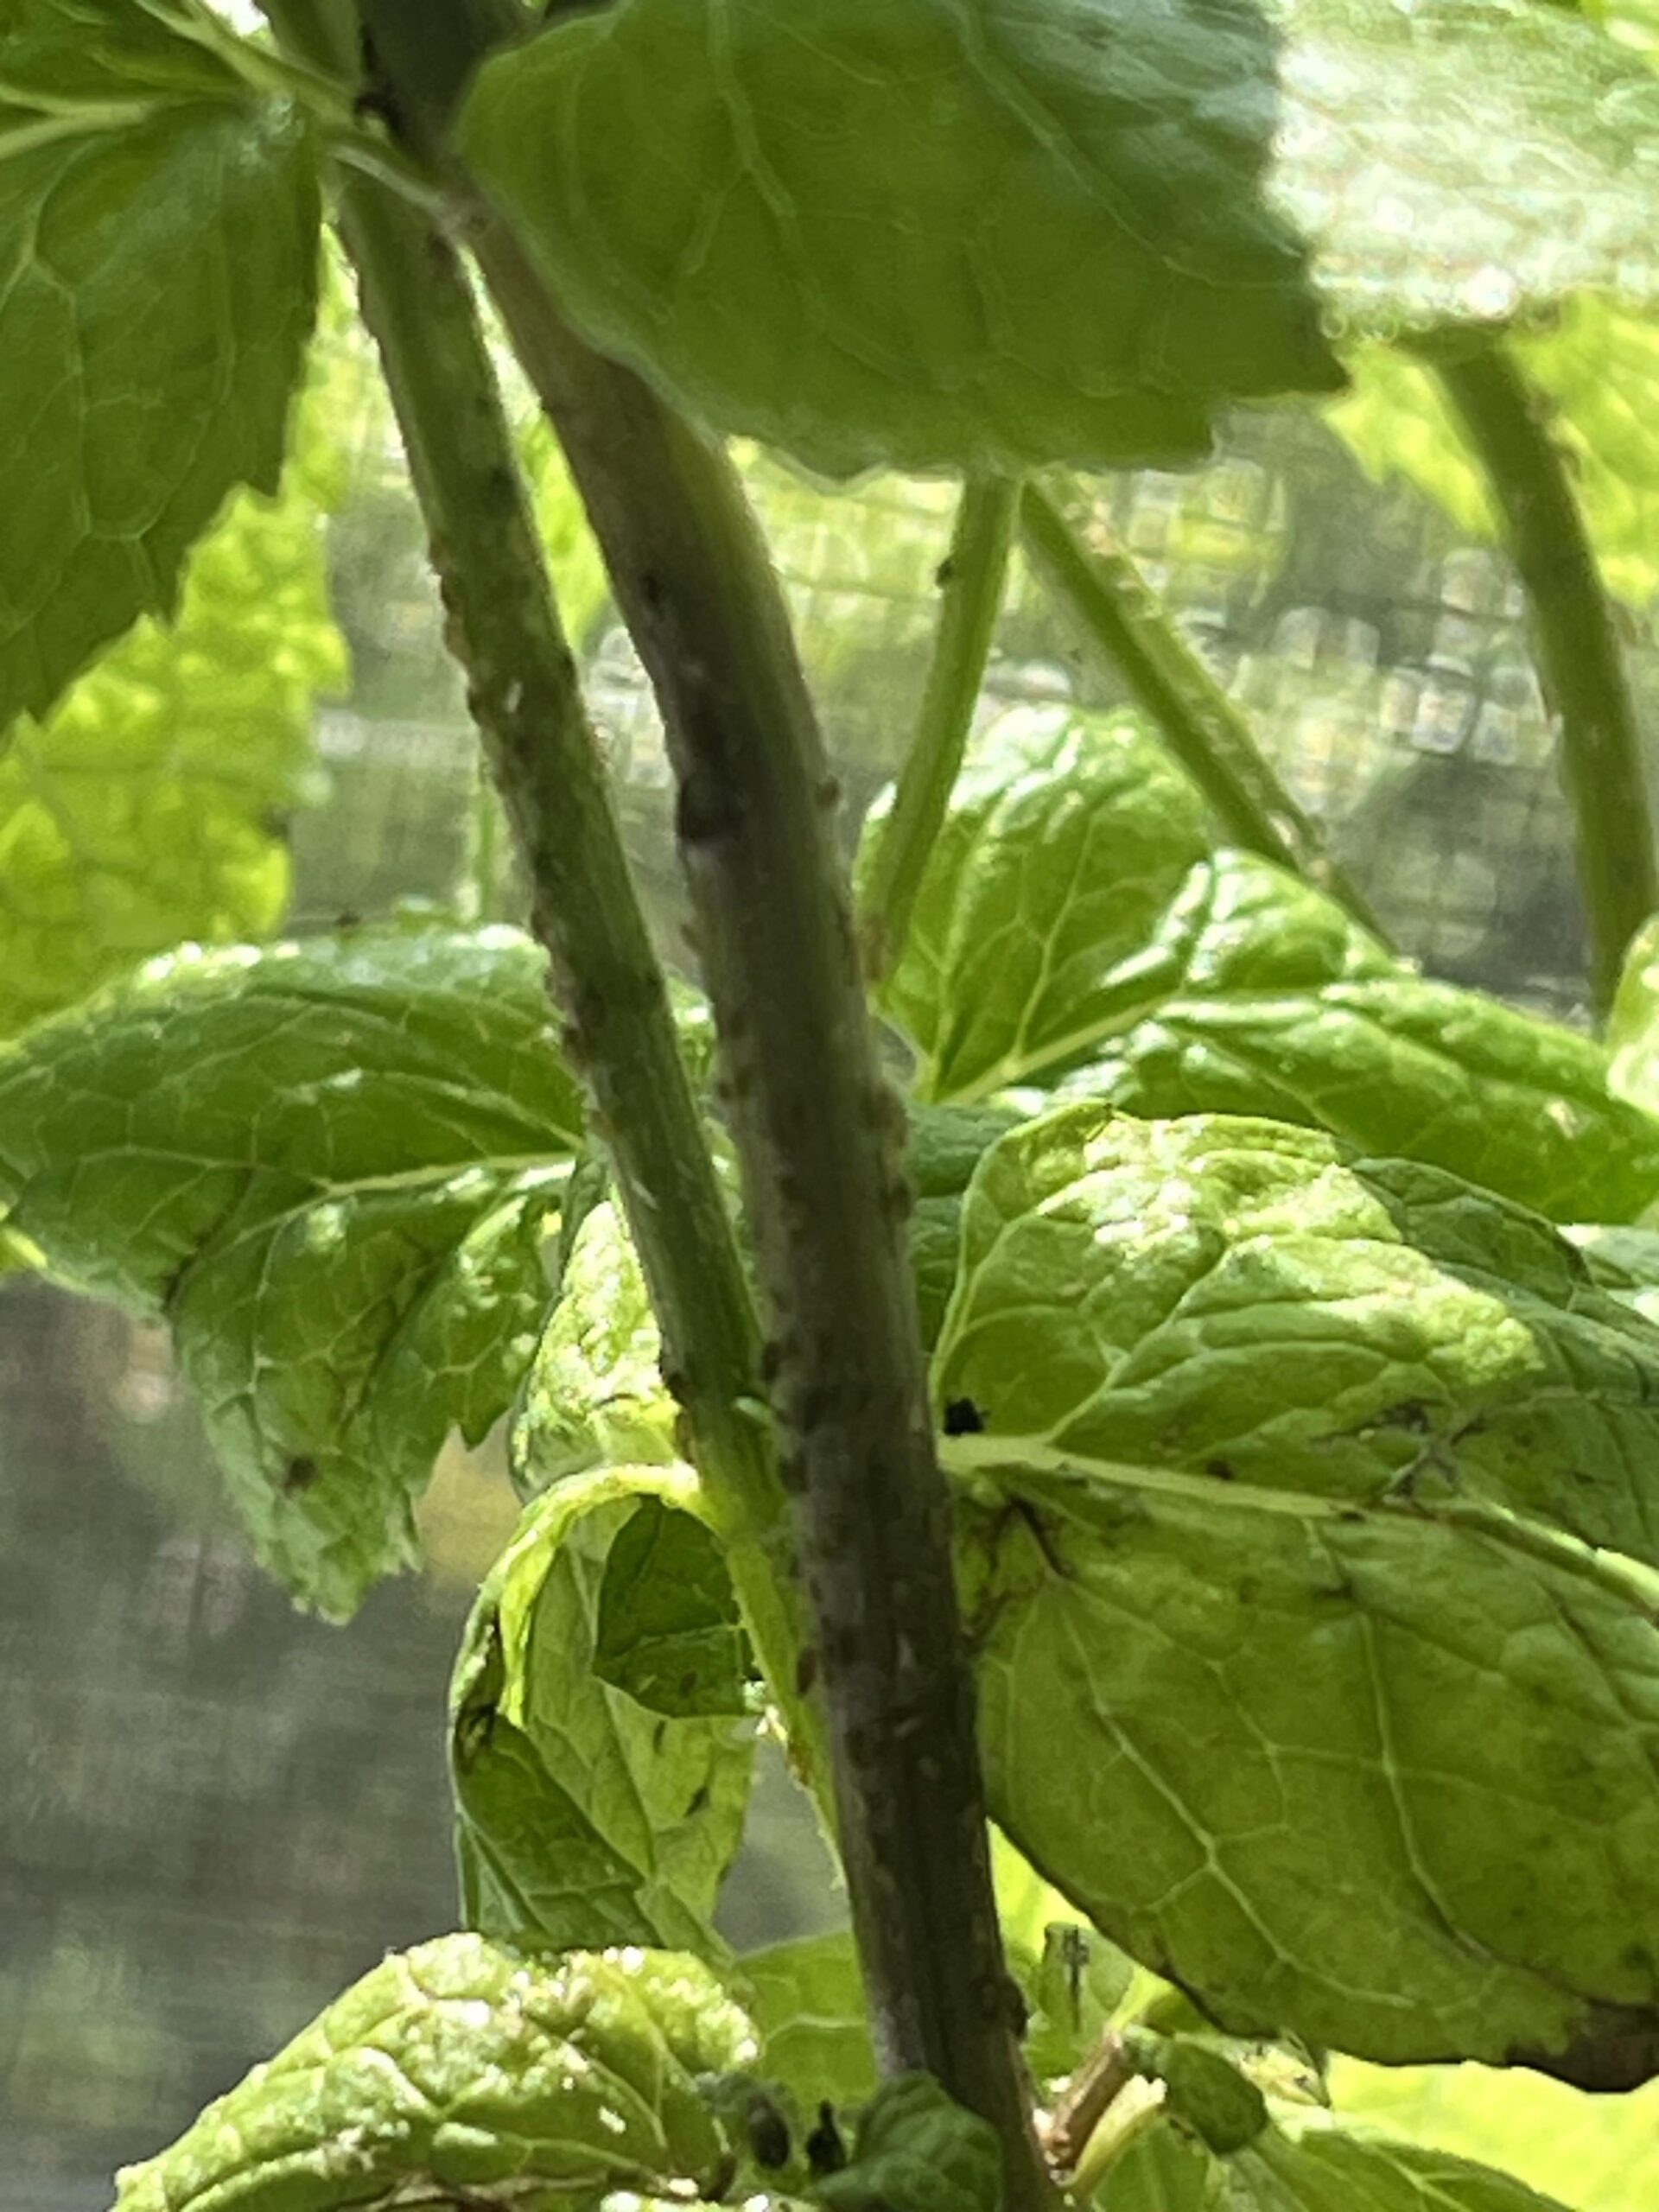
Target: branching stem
(971, 581)
(1576, 639)
(1117, 611)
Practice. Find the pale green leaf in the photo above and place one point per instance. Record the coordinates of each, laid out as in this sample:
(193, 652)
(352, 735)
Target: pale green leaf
(806, 1999)
(594, 1393)
(1597, 372)
(330, 1167)
(463, 2072)
(1280, 1681)
(149, 807)
(917, 2151)
(1462, 161)
(1597, 2154)
(1324, 2170)
(914, 231)
(1070, 933)
(1160, 2169)
(668, 1630)
(158, 259)
(1633, 1024)
(582, 1815)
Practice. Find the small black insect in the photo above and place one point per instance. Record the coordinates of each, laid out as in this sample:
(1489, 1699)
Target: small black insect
(964, 1418)
(768, 2133)
(825, 2151)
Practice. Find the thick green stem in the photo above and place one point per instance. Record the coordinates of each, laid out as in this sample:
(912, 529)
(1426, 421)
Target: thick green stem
(546, 764)
(1106, 594)
(971, 580)
(1576, 639)
(820, 1142)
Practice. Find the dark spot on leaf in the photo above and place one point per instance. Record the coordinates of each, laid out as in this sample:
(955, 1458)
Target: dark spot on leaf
(946, 573)
(299, 1475)
(1221, 1469)
(964, 1418)
(700, 1799)
(806, 1671)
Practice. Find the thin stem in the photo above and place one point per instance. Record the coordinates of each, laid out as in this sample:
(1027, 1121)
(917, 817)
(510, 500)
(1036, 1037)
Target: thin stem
(972, 580)
(1106, 594)
(819, 1139)
(1575, 636)
(547, 766)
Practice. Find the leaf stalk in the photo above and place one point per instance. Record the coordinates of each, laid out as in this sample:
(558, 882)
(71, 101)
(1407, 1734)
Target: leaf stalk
(1099, 586)
(1575, 635)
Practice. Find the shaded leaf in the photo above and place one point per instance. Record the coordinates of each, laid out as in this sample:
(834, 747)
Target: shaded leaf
(915, 234)
(462, 2070)
(1324, 2170)
(331, 1167)
(668, 1630)
(917, 2151)
(946, 1144)
(582, 1816)
(1291, 1711)
(158, 242)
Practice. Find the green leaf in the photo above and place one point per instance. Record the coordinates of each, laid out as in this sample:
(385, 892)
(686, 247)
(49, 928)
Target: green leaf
(583, 1816)
(1599, 2154)
(917, 2151)
(1633, 1024)
(594, 1393)
(1286, 1678)
(1436, 192)
(914, 233)
(668, 1630)
(946, 1144)
(806, 1999)
(331, 1167)
(1597, 371)
(1073, 1986)
(1203, 2089)
(1070, 933)
(462, 2071)
(158, 260)
(127, 822)
(1159, 2170)
(1324, 2170)
(1068, 836)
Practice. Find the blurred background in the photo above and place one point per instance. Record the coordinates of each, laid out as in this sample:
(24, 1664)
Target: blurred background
(216, 1812)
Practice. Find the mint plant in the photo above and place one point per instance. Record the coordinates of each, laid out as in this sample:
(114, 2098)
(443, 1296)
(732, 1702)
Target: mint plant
(1206, 1427)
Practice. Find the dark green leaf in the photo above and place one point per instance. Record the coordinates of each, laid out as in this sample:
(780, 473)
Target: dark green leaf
(1070, 933)
(331, 1167)
(1204, 2090)
(668, 1630)
(158, 255)
(917, 2151)
(582, 1816)
(894, 231)
(464, 2072)
(806, 1999)
(1288, 1679)
(946, 1143)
